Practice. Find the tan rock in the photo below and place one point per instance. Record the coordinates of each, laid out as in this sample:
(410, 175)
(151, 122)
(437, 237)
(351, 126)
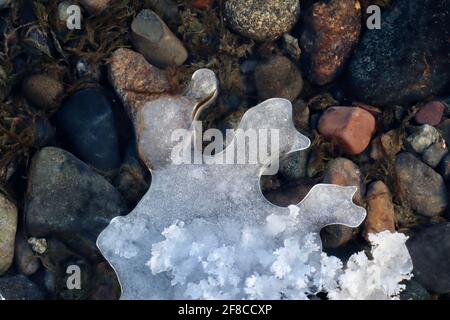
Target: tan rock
(342, 172)
(42, 91)
(8, 227)
(380, 210)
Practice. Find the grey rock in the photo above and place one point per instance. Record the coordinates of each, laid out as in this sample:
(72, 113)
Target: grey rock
(19, 287)
(335, 236)
(294, 165)
(154, 40)
(25, 259)
(166, 9)
(87, 122)
(435, 153)
(66, 199)
(422, 138)
(133, 179)
(430, 253)
(4, 3)
(444, 128)
(278, 77)
(422, 187)
(415, 291)
(445, 167)
(407, 59)
(262, 20)
(8, 227)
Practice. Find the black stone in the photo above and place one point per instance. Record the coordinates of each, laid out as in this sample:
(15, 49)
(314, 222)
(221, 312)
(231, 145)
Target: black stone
(87, 122)
(430, 253)
(406, 60)
(19, 287)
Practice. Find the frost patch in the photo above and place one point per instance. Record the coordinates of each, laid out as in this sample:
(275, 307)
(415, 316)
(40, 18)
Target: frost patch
(273, 262)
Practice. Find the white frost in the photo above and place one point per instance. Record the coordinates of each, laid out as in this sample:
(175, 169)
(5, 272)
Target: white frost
(229, 261)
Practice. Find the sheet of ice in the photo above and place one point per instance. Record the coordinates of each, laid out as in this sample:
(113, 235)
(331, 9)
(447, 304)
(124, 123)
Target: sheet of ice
(219, 196)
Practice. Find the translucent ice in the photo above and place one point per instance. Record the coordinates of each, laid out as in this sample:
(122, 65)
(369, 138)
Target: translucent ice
(206, 230)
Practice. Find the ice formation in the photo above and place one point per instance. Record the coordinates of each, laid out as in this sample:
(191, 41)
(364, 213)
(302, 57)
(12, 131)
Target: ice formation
(270, 263)
(174, 243)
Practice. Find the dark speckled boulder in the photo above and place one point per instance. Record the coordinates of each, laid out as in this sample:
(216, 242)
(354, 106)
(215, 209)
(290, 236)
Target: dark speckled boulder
(406, 60)
(68, 200)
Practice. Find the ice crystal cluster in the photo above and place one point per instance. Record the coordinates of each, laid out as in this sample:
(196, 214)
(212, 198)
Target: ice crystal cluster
(208, 261)
(207, 231)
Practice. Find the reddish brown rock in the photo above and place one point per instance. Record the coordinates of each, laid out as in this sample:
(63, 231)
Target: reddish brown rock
(342, 172)
(96, 6)
(380, 210)
(202, 4)
(431, 113)
(352, 127)
(135, 80)
(332, 29)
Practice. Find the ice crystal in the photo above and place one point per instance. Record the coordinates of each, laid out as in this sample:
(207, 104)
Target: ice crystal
(206, 261)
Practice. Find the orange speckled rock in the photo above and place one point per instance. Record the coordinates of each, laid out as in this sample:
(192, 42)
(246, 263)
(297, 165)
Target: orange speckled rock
(352, 127)
(332, 30)
(135, 80)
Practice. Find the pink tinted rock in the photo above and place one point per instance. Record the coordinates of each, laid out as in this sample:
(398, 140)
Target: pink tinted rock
(352, 127)
(431, 113)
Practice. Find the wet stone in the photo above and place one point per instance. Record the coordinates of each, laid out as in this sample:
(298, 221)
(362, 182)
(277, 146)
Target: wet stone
(262, 20)
(444, 129)
(380, 210)
(343, 172)
(430, 253)
(414, 291)
(25, 259)
(422, 138)
(65, 198)
(407, 59)
(294, 165)
(19, 287)
(435, 153)
(8, 227)
(331, 30)
(422, 187)
(42, 91)
(96, 6)
(133, 179)
(278, 78)
(87, 122)
(445, 167)
(352, 127)
(153, 38)
(431, 113)
(135, 80)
